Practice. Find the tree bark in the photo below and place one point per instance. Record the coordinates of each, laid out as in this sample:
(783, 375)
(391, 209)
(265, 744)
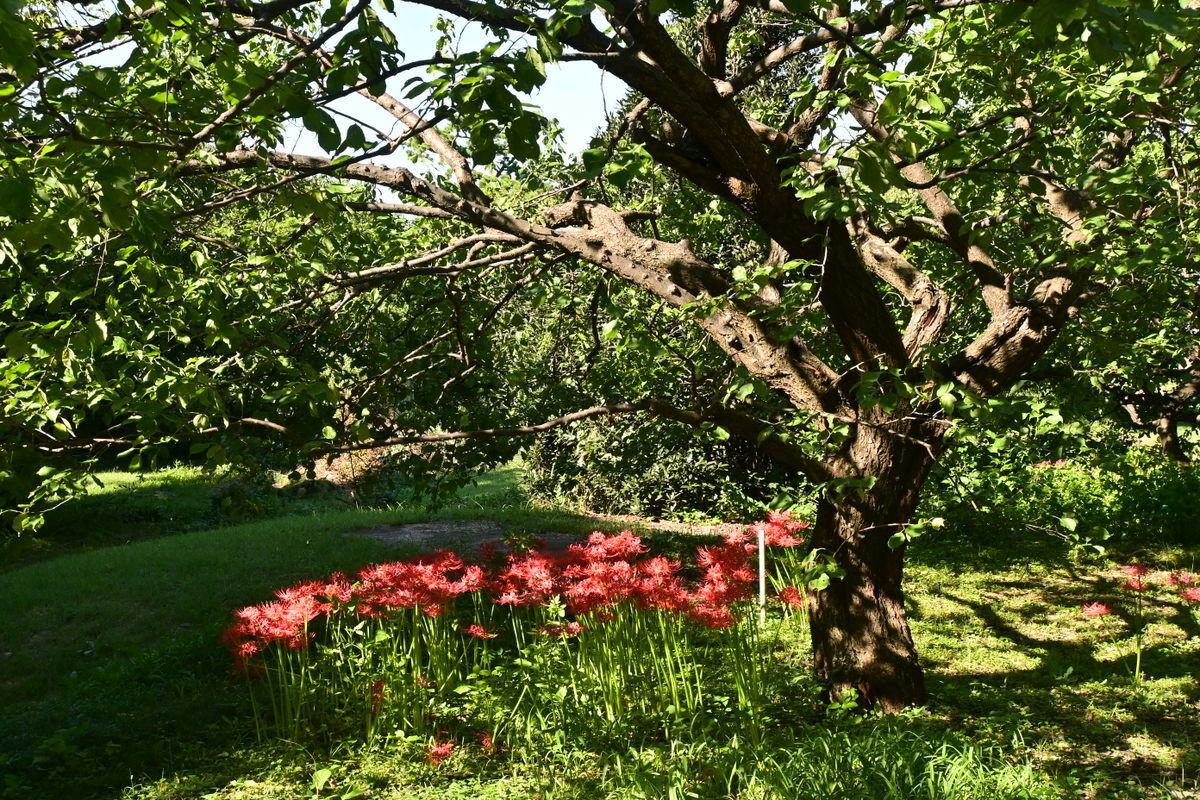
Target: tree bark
(1167, 429)
(860, 634)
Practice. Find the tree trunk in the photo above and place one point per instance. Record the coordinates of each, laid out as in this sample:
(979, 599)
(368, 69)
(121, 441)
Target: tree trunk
(1167, 428)
(860, 635)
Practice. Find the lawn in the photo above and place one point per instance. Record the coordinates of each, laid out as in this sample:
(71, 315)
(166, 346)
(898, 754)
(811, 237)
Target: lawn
(113, 684)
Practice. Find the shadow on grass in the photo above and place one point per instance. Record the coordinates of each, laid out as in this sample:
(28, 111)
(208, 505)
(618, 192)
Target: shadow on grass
(1094, 719)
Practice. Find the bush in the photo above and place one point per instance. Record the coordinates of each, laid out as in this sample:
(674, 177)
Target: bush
(656, 469)
(1131, 494)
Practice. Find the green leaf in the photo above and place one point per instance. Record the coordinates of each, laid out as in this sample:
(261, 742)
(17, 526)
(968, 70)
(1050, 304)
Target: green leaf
(535, 59)
(98, 329)
(1162, 21)
(523, 136)
(326, 129)
(320, 778)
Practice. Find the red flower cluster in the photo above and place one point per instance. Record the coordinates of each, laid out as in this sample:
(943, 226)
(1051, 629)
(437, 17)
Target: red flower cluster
(429, 583)
(1184, 580)
(438, 752)
(792, 596)
(487, 742)
(1138, 580)
(378, 690)
(594, 578)
(478, 631)
(562, 631)
(1189, 588)
(779, 530)
(284, 621)
(1056, 463)
(1180, 579)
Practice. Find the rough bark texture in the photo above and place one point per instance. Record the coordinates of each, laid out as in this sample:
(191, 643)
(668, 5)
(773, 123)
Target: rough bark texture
(860, 634)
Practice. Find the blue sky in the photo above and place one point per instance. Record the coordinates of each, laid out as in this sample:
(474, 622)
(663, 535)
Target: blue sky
(573, 93)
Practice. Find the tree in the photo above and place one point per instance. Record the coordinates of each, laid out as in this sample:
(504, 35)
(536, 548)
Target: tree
(941, 187)
(1153, 371)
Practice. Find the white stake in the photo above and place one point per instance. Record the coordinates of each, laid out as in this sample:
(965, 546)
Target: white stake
(762, 576)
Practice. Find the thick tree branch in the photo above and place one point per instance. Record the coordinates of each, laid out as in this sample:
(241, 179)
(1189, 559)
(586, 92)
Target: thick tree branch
(994, 285)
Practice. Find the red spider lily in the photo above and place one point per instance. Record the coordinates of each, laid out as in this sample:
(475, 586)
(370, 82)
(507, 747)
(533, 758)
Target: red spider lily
(598, 582)
(244, 653)
(594, 578)
(783, 526)
(378, 689)
(438, 752)
(478, 631)
(727, 579)
(301, 591)
(1180, 579)
(487, 742)
(659, 567)
(337, 587)
(725, 562)
(712, 616)
(1191, 594)
(430, 583)
(778, 530)
(562, 631)
(792, 596)
(741, 537)
(620, 545)
(1135, 570)
(666, 594)
(1135, 585)
(527, 580)
(1096, 610)
(284, 622)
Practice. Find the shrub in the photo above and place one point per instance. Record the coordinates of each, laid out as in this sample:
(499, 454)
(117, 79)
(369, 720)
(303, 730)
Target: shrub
(1130, 494)
(653, 468)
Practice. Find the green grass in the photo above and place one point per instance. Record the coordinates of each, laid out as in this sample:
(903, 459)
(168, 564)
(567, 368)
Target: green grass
(1008, 648)
(124, 507)
(111, 676)
(109, 662)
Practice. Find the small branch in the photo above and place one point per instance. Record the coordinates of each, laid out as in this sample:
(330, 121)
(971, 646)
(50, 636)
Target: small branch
(495, 433)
